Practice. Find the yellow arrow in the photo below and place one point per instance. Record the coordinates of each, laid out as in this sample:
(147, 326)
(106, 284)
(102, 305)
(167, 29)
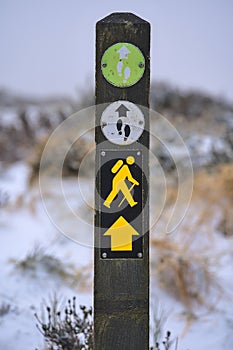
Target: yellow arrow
(121, 233)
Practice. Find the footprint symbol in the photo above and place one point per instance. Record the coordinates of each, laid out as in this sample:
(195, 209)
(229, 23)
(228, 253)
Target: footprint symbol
(127, 132)
(119, 126)
(127, 129)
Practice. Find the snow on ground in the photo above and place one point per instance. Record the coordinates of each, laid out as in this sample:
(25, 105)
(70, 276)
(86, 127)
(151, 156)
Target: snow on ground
(25, 225)
(21, 231)
(201, 328)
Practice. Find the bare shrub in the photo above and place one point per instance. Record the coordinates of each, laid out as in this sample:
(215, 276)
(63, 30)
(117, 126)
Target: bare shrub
(167, 343)
(67, 329)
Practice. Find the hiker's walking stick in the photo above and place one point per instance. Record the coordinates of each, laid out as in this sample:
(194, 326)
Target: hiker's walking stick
(125, 197)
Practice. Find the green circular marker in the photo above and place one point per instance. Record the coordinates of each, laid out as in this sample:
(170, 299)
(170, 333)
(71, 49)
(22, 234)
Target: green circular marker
(123, 64)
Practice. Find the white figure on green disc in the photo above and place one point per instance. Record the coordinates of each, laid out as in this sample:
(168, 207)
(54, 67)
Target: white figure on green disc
(118, 183)
(123, 55)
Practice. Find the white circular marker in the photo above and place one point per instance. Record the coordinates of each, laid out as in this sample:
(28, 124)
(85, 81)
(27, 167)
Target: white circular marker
(122, 123)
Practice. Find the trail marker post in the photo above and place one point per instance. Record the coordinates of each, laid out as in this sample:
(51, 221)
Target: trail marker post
(121, 277)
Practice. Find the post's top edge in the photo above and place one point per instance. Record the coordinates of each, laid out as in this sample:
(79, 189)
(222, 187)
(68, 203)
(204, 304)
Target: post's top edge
(122, 18)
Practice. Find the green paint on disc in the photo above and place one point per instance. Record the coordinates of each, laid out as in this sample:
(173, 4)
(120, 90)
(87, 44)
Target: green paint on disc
(123, 64)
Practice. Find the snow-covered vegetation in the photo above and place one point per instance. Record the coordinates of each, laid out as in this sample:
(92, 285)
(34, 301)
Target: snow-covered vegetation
(191, 273)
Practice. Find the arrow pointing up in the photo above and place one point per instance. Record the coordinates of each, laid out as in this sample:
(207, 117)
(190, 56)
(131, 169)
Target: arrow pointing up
(123, 51)
(122, 110)
(121, 233)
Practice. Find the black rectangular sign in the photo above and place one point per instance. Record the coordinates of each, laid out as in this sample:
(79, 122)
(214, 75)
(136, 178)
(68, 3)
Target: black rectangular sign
(121, 203)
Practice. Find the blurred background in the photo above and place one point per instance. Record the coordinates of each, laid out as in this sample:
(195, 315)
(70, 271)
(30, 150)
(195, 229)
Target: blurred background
(48, 48)
(47, 73)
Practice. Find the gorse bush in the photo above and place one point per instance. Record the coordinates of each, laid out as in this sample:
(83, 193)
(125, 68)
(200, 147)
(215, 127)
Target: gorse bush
(67, 330)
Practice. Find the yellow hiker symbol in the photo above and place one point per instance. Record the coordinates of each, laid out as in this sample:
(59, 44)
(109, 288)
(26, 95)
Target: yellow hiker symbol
(118, 183)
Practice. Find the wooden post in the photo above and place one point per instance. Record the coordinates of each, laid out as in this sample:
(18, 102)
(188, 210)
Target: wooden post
(121, 278)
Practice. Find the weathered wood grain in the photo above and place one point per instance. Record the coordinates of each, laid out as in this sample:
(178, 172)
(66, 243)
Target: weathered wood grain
(121, 287)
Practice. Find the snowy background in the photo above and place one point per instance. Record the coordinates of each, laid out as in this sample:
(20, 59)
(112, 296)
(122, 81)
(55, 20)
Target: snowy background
(191, 270)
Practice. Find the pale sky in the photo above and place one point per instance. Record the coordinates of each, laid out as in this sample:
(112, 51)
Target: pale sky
(47, 47)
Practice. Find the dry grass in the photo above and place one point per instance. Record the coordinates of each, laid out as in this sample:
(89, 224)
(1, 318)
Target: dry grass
(184, 262)
(39, 261)
(62, 154)
(184, 274)
(215, 190)
(212, 200)
(5, 308)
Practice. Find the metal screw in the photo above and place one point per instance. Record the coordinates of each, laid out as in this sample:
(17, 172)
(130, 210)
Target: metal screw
(103, 153)
(138, 153)
(141, 65)
(139, 255)
(104, 65)
(104, 255)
